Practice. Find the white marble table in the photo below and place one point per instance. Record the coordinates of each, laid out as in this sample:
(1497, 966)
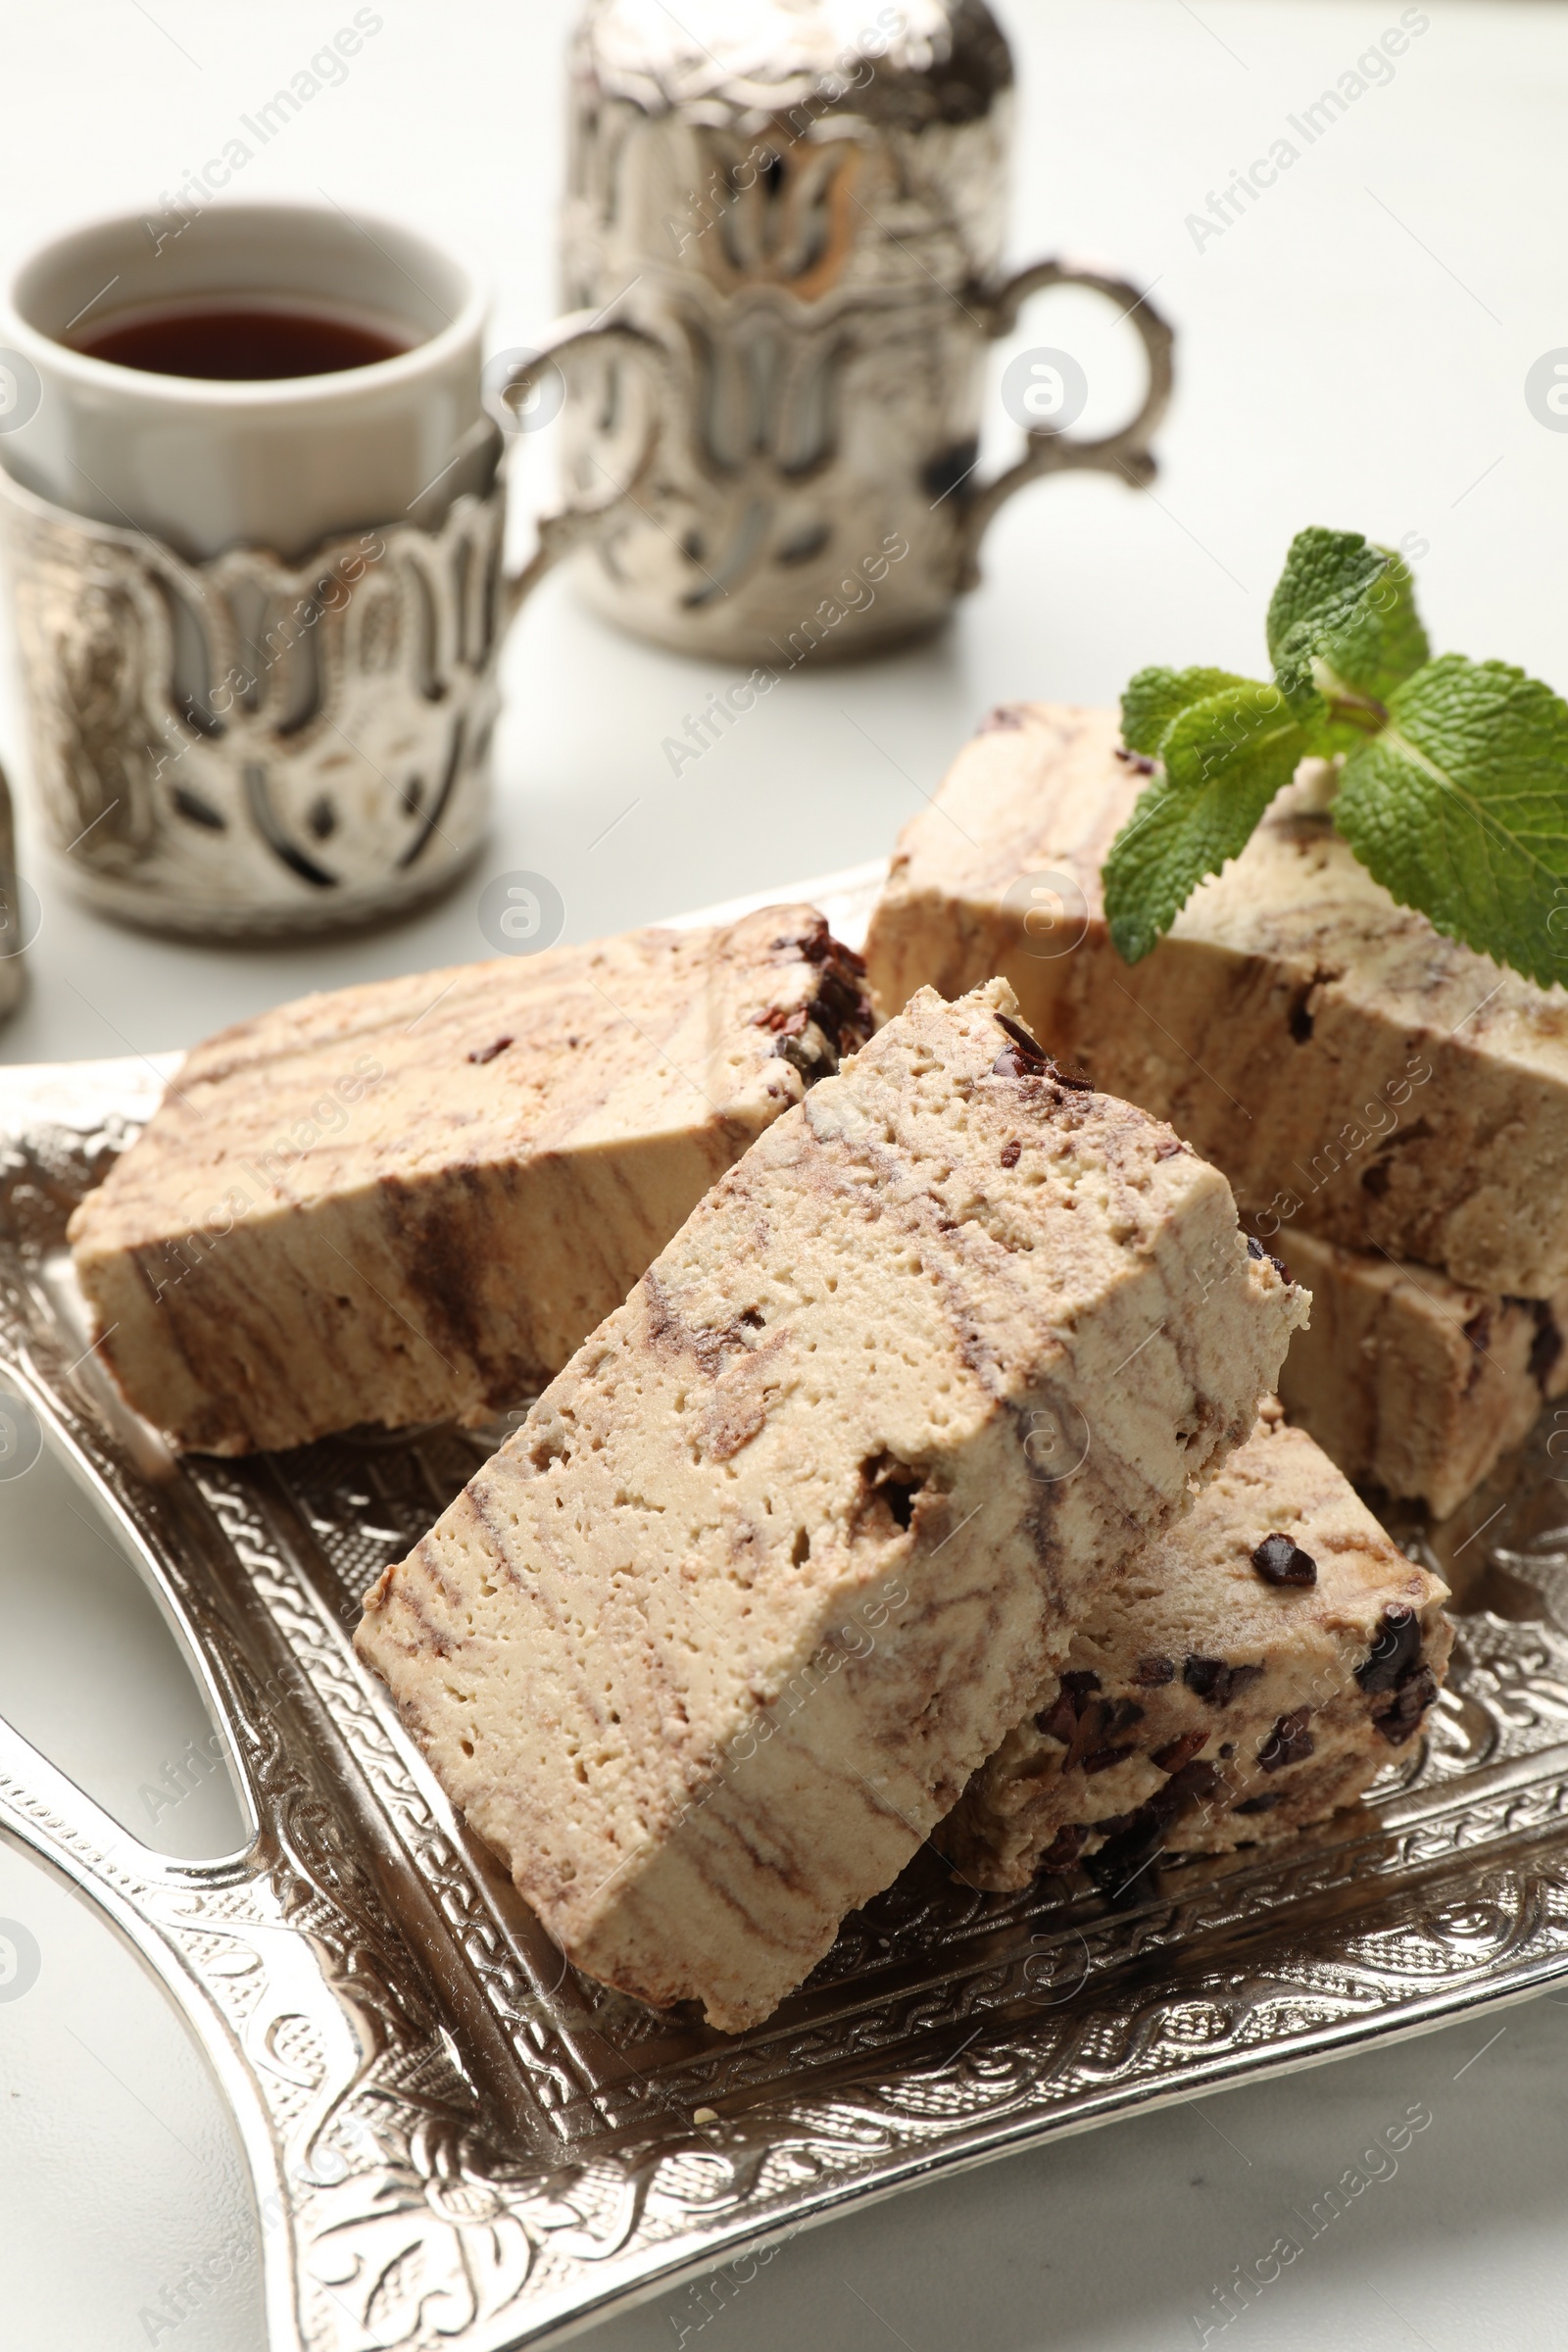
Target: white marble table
(1354, 352)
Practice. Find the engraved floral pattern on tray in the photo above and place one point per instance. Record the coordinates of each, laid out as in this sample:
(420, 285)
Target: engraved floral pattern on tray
(457, 2142)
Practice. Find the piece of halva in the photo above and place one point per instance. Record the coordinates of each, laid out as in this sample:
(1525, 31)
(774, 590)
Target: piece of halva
(711, 1644)
(1247, 1672)
(411, 1200)
(1347, 1065)
(1409, 1380)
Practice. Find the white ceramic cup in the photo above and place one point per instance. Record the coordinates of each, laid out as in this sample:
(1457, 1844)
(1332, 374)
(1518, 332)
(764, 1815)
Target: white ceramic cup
(283, 464)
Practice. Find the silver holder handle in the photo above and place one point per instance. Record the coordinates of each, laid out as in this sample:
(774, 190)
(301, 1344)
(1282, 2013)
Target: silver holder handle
(585, 522)
(1126, 451)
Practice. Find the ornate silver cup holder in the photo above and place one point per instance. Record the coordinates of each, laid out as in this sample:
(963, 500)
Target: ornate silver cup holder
(251, 746)
(246, 747)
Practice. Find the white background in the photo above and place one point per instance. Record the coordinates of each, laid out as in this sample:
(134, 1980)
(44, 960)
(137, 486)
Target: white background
(1352, 352)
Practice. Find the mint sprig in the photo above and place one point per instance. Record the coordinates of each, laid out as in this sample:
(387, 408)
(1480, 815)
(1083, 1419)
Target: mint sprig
(1343, 633)
(1452, 774)
(1157, 695)
(1225, 757)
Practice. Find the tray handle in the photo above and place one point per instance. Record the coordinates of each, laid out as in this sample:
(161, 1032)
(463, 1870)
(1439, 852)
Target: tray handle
(256, 1993)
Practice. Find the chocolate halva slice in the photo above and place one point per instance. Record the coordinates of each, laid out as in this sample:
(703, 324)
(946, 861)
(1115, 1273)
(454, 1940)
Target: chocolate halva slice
(711, 1644)
(413, 1200)
(1409, 1380)
(1348, 1067)
(1250, 1670)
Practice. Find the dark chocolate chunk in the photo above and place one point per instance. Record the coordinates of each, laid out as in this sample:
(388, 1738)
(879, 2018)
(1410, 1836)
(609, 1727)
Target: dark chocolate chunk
(1154, 1670)
(1010, 1152)
(1402, 1718)
(1255, 1248)
(1104, 1758)
(1180, 1750)
(1265, 1804)
(1060, 1721)
(1281, 1561)
(1193, 1786)
(1013, 1062)
(1135, 1839)
(1395, 1653)
(851, 958)
(1087, 1725)
(1029, 1047)
(1138, 762)
(1065, 1848)
(489, 1052)
(1102, 1721)
(809, 1061)
(841, 1006)
(1025, 1058)
(1132, 1840)
(1227, 1748)
(1213, 1680)
(1289, 1742)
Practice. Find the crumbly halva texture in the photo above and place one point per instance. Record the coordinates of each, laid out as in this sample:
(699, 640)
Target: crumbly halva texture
(1347, 1065)
(711, 1644)
(1410, 1380)
(1249, 1671)
(413, 1200)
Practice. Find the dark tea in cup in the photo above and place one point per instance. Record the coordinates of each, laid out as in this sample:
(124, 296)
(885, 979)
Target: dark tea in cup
(230, 340)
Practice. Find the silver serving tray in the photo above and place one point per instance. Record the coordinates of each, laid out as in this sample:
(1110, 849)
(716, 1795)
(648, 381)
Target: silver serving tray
(455, 2139)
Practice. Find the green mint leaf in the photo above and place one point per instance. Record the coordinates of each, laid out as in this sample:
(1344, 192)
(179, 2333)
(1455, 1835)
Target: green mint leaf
(1343, 634)
(1225, 758)
(1156, 697)
(1460, 809)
